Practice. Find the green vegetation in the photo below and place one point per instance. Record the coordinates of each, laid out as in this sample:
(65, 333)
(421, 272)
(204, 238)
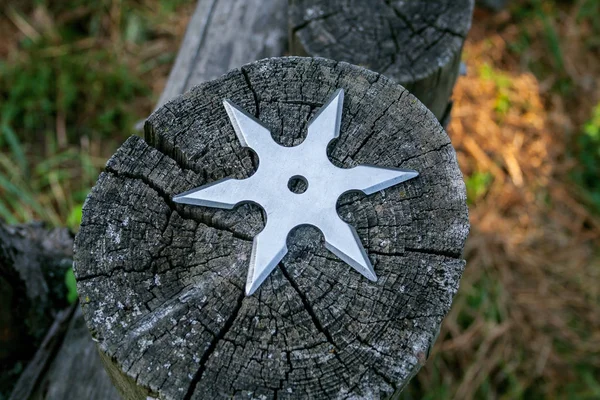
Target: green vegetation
(588, 153)
(477, 186)
(586, 13)
(75, 76)
(503, 84)
(71, 92)
(80, 74)
(71, 285)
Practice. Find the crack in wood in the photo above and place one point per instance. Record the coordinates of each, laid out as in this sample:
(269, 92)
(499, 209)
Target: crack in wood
(206, 356)
(292, 336)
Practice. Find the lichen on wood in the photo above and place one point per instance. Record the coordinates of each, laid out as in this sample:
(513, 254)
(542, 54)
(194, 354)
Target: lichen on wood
(162, 284)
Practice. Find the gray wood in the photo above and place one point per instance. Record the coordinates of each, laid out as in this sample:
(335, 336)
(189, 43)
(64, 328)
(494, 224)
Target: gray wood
(31, 375)
(66, 365)
(33, 262)
(416, 43)
(162, 284)
(225, 34)
(220, 35)
(76, 371)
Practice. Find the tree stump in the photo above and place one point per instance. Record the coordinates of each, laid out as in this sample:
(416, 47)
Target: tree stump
(416, 43)
(162, 284)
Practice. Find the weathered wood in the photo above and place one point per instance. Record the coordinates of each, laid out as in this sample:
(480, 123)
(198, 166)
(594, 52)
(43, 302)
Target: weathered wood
(225, 34)
(162, 284)
(416, 43)
(220, 35)
(33, 262)
(30, 377)
(66, 365)
(76, 371)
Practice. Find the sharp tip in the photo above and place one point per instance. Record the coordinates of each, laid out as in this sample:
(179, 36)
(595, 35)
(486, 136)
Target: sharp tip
(230, 107)
(367, 270)
(251, 288)
(369, 273)
(339, 97)
(413, 174)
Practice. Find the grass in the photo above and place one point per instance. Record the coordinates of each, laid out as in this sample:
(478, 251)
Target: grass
(477, 186)
(526, 321)
(72, 88)
(75, 76)
(587, 175)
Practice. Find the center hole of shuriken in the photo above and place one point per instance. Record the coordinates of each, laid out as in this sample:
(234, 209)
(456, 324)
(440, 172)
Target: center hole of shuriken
(298, 184)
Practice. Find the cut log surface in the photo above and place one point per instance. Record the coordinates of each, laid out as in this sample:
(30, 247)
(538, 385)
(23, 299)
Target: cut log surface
(416, 43)
(224, 34)
(162, 284)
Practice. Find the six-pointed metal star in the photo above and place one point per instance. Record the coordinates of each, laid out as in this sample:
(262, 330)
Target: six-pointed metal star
(285, 209)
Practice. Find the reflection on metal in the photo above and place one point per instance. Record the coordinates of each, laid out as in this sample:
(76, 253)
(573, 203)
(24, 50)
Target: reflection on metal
(286, 209)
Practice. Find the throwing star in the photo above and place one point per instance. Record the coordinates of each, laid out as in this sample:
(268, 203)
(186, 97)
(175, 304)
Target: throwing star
(271, 188)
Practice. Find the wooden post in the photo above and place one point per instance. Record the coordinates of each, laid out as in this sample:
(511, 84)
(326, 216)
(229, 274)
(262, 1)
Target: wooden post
(225, 34)
(416, 43)
(162, 284)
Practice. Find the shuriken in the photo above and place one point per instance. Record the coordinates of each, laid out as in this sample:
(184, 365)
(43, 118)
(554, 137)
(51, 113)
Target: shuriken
(285, 210)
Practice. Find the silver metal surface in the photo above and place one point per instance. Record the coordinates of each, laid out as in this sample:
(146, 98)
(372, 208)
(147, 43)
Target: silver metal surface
(285, 210)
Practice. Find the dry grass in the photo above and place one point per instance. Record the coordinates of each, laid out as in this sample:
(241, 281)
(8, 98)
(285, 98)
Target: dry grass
(75, 76)
(526, 322)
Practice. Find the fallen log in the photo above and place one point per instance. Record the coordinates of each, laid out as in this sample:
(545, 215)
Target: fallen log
(33, 262)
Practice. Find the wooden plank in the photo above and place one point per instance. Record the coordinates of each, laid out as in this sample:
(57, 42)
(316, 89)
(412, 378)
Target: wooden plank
(76, 372)
(224, 34)
(32, 264)
(30, 377)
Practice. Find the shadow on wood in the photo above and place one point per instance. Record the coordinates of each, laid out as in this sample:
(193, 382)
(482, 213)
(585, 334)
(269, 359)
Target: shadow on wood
(66, 364)
(33, 262)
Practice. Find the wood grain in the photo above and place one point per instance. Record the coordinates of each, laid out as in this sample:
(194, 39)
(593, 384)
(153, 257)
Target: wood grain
(162, 284)
(76, 371)
(416, 43)
(224, 34)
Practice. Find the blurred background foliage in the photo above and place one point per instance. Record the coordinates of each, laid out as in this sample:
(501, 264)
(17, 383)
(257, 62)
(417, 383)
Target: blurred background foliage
(75, 77)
